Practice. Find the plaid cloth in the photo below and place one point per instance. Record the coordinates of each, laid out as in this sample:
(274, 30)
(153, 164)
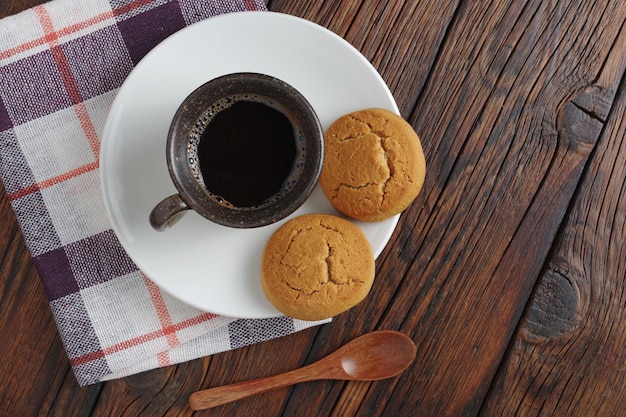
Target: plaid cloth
(61, 65)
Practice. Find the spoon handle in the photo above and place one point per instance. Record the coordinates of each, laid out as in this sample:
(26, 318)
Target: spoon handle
(213, 397)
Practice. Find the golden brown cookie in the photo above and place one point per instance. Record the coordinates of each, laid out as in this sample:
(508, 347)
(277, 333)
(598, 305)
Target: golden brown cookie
(316, 266)
(374, 166)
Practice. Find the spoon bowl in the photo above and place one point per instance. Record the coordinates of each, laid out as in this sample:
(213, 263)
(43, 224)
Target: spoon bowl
(374, 356)
(371, 357)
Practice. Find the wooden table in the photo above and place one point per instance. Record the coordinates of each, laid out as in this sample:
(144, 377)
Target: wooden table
(509, 271)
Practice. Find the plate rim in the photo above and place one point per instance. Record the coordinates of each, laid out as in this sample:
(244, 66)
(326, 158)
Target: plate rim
(119, 98)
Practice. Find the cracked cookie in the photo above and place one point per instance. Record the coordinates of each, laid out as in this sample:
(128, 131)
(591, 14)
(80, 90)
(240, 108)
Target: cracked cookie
(374, 166)
(316, 266)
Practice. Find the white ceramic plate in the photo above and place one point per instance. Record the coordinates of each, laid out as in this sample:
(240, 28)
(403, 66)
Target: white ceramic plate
(213, 267)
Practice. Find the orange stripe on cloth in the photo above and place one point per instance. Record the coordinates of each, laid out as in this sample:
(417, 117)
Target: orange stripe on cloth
(88, 128)
(8, 53)
(250, 5)
(69, 81)
(127, 344)
(77, 27)
(163, 358)
(52, 181)
(71, 29)
(162, 312)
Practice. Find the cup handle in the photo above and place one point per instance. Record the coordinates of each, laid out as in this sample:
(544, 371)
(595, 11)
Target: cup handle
(167, 212)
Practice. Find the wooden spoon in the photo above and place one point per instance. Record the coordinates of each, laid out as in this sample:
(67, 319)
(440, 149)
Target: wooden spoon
(373, 356)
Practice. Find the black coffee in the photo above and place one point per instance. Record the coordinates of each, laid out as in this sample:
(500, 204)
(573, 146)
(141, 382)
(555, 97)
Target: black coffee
(246, 153)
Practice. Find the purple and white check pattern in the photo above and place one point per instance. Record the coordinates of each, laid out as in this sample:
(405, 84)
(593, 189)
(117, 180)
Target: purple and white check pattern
(61, 65)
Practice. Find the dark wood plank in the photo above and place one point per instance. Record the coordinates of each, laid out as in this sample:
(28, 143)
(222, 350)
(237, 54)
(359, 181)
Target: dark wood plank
(335, 15)
(511, 99)
(386, 34)
(522, 145)
(568, 356)
(506, 149)
(11, 7)
(402, 40)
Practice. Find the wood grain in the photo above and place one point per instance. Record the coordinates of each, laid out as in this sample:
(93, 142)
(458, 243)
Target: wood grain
(489, 227)
(568, 356)
(508, 271)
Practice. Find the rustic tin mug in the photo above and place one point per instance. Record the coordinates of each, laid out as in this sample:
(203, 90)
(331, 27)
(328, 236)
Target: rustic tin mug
(243, 150)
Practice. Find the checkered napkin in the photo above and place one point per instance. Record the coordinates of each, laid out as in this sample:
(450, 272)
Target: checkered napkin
(61, 65)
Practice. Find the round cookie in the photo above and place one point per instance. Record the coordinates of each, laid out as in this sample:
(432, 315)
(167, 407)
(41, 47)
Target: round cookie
(316, 266)
(374, 166)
